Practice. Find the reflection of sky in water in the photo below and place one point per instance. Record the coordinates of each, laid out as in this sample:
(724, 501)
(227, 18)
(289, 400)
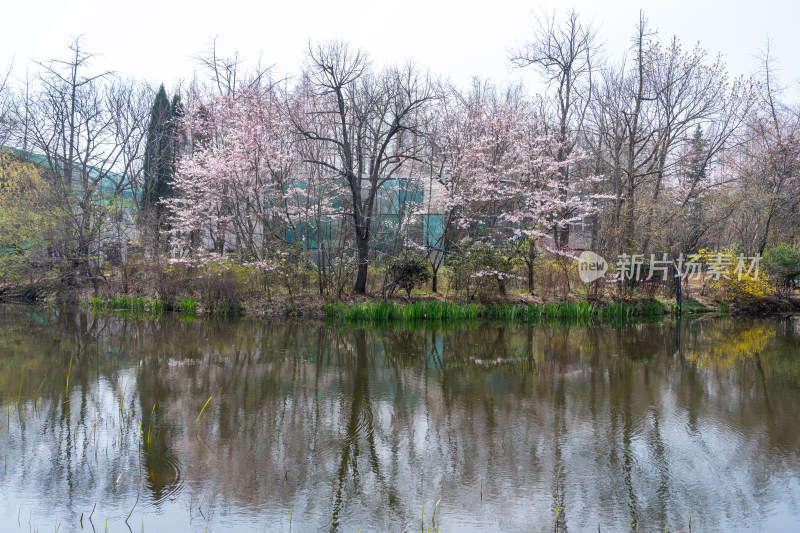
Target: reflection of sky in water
(612, 425)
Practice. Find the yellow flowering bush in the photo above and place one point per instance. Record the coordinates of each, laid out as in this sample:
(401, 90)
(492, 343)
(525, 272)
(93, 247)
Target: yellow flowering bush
(733, 278)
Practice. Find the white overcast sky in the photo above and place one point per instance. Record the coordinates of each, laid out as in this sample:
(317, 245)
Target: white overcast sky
(155, 40)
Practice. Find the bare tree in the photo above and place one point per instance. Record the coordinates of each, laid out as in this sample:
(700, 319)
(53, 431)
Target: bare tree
(369, 123)
(7, 122)
(698, 110)
(90, 129)
(769, 164)
(622, 135)
(227, 75)
(657, 126)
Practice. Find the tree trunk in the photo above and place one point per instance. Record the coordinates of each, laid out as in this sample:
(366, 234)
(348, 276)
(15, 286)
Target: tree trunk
(321, 268)
(530, 278)
(629, 219)
(501, 285)
(362, 244)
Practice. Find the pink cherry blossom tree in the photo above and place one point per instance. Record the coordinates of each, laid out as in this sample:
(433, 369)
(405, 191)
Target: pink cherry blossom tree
(497, 175)
(241, 187)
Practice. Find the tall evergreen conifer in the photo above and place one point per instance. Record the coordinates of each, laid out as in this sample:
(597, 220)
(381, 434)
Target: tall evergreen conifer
(160, 158)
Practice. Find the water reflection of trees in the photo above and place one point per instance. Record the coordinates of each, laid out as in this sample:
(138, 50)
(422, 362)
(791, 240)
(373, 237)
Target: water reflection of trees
(364, 426)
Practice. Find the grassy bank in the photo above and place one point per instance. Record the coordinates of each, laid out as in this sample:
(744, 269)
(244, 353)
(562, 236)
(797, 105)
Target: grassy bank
(382, 311)
(143, 306)
(446, 311)
(423, 306)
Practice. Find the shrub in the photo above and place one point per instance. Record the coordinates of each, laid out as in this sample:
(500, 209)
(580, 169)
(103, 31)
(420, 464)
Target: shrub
(214, 278)
(408, 270)
(732, 283)
(782, 263)
(476, 265)
(746, 290)
(292, 268)
(172, 279)
(216, 281)
(338, 273)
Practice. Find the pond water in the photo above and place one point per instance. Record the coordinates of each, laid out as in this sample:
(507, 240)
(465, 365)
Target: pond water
(180, 425)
